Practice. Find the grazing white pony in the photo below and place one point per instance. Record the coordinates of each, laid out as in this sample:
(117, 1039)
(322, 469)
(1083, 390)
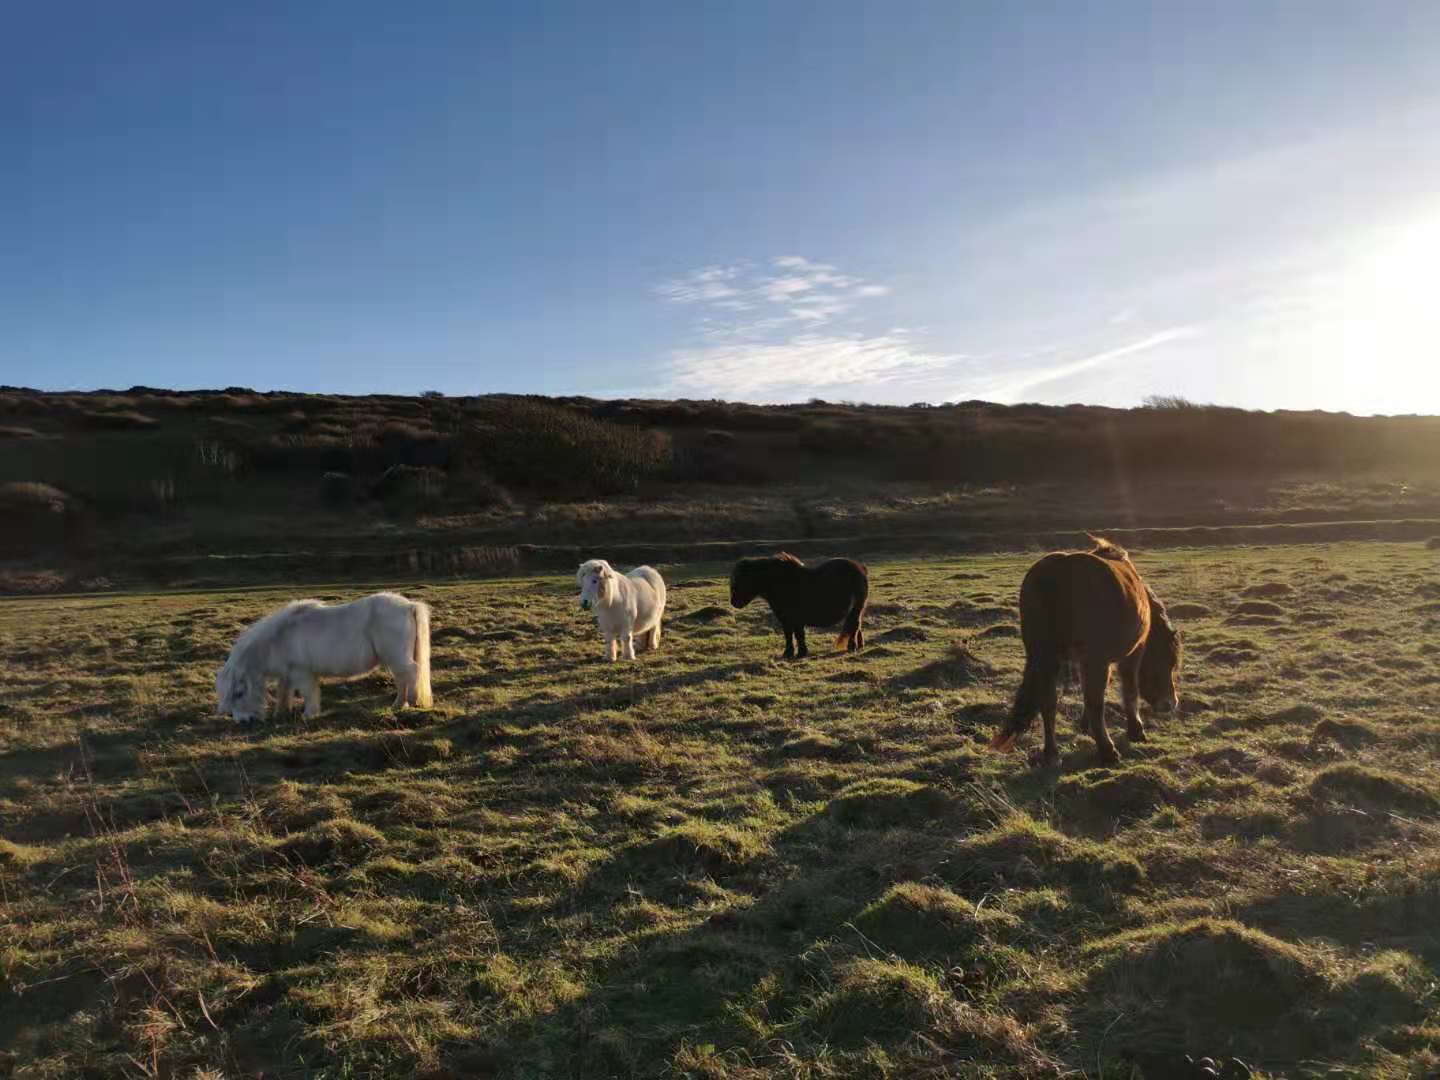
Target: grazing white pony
(306, 639)
(626, 605)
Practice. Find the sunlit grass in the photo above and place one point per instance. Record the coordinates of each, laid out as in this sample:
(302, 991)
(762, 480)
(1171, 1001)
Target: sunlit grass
(713, 863)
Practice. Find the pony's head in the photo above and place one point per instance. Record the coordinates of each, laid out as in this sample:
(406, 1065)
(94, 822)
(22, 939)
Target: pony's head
(1160, 666)
(239, 693)
(751, 576)
(598, 583)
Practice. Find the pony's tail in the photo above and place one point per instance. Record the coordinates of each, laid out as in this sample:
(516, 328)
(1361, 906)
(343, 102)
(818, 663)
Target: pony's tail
(850, 633)
(423, 697)
(1036, 686)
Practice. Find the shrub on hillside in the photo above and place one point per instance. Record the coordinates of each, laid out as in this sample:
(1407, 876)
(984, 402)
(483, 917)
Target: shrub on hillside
(38, 518)
(402, 486)
(312, 453)
(404, 443)
(117, 420)
(337, 489)
(545, 447)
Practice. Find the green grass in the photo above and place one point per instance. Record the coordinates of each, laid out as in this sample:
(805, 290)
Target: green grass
(712, 863)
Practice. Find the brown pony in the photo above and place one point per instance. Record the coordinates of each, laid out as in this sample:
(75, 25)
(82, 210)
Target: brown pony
(833, 591)
(1091, 607)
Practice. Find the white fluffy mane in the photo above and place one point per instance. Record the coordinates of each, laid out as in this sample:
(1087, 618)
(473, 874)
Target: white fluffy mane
(261, 632)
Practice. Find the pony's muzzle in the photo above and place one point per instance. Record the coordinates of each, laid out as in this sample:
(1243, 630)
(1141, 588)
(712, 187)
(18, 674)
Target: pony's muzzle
(585, 605)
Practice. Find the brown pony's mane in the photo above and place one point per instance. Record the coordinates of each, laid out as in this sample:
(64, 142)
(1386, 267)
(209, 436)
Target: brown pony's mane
(785, 556)
(1158, 614)
(1108, 549)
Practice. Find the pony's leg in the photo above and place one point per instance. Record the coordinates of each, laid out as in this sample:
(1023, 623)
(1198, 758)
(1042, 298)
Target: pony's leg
(804, 649)
(612, 646)
(404, 676)
(629, 645)
(285, 699)
(789, 653)
(655, 638)
(1096, 677)
(1049, 695)
(311, 689)
(1130, 693)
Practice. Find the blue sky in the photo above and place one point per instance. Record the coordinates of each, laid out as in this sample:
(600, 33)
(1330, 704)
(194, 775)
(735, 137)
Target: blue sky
(1236, 202)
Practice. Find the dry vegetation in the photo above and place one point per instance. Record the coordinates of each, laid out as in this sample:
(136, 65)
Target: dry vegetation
(711, 864)
(150, 488)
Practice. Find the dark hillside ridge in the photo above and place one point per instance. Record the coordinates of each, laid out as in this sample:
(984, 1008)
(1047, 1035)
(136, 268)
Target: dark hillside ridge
(101, 481)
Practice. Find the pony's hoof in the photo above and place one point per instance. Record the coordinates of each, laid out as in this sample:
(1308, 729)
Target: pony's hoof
(1137, 735)
(1110, 757)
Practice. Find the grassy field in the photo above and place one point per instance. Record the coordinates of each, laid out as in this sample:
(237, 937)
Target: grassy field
(712, 863)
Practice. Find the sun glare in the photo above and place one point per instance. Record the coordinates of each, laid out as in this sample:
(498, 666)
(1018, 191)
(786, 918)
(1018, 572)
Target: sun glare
(1390, 318)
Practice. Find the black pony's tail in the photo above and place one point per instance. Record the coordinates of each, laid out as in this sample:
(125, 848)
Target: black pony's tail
(1037, 686)
(850, 635)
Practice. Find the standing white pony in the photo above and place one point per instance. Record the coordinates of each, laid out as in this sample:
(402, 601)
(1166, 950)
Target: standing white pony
(307, 639)
(626, 605)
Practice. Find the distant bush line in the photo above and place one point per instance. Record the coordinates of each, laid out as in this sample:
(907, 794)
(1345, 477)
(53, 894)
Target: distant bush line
(156, 451)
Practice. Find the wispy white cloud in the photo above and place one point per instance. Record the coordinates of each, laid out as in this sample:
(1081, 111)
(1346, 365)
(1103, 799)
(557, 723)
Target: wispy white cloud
(709, 284)
(782, 288)
(788, 288)
(799, 262)
(763, 328)
(807, 365)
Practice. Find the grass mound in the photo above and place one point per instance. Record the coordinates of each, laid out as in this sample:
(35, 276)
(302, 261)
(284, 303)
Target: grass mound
(1024, 852)
(958, 668)
(885, 801)
(1268, 590)
(705, 616)
(339, 840)
(999, 630)
(1347, 733)
(1259, 607)
(816, 744)
(1133, 792)
(1357, 785)
(1232, 655)
(924, 922)
(1227, 761)
(903, 633)
(1188, 611)
(714, 847)
(1207, 983)
(876, 1000)
(1295, 714)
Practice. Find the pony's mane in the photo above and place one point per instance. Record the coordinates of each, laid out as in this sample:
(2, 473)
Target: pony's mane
(1157, 609)
(785, 556)
(262, 630)
(1108, 549)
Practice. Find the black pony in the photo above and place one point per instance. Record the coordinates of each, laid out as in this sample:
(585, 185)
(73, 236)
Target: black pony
(822, 595)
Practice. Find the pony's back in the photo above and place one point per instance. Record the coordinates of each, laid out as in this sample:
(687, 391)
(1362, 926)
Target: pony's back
(266, 628)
